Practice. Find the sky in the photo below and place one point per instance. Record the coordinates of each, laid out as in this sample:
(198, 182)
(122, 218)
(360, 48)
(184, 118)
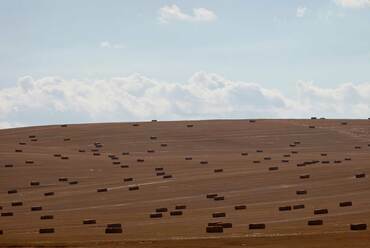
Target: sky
(97, 61)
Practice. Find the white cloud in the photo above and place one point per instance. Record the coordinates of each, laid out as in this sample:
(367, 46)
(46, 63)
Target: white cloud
(173, 13)
(353, 3)
(107, 44)
(301, 12)
(205, 95)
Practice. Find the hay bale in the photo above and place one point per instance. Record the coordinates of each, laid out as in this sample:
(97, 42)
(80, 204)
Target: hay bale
(153, 137)
(96, 153)
(1, 232)
(128, 179)
(160, 173)
(285, 208)
(315, 222)
(64, 157)
(164, 145)
(57, 155)
(113, 230)
(357, 147)
(189, 125)
(267, 158)
(12, 191)
(257, 226)
(301, 192)
(8, 166)
(240, 207)
(7, 214)
(150, 151)
(133, 188)
(337, 161)
(102, 190)
(360, 175)
(32, 136)
(62, 179)
(94, 150)
(81, 150)
(321, 211)
(73, 182)
(345, 204)
(35, 183)
(219, 198)
(116, 162)
(64, 125)
(33, 140)
(47, 217)
(188, 158)
(46, 230)
(285, 161)
(298, 206)
(89, 222)
(22, 143)
(125, 153)
(161, 210)
(180, 207)
(325, 162)
(18, 150)
(252, 121)
(67, 139)
(214, 229)
(203, 162)
(36, 208)
(155, 215)
(244, 153)
(140, 160)
(211, 195)
(218, 170)
(256, 161)
(158, 169)
(314, 118)
(305, 176)
(259, 151)
(286, 155)
(311, 126)
(167, 176)
(274, 168)
(17, 204)
(29, 162)
(176, 213)
(358, 227)
(219, 215)
(135, 124)
(324, 154)
(294, 152)
(124, 166)
(49, 194)
(348, 159)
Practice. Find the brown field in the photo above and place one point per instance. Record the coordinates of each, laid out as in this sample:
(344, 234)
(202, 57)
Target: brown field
(281, 173)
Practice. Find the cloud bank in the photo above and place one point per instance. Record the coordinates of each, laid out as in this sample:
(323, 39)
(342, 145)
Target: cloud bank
(353, 3)
(205, 95)
(170, 13)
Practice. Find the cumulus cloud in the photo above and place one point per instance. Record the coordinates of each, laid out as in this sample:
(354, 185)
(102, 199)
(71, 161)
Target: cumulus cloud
(204, 96)
(173, 13)
(353, 3)
(107, 44)
(301, 12)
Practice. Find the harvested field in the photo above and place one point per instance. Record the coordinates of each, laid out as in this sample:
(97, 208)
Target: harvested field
(214, 184)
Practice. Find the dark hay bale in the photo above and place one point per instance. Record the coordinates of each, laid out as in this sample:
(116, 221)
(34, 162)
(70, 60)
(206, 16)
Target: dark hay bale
(244, 153)
(18, 150)
(114, 225)
(64, 157)
(212, 195)
(348, 159)
(321, 211)
(190, 125)
(357, 147)
(62, 179)
(162, 173)
(358, 227)
(29, 162)
(214, 229)
(252, 121)
(311, 126)
(294, 152)
(219, 198)
(343, 123)
(64, 125)
(34, 183)
(150, 151)
(81, 150)
(124, 166)
(164, 145)
(292, 145)
(285, 208)
(102, 190)
(285, 161)
(178, 207)
(49, 193)
(46, 230)
(240, 207)
(32, 136)
(305, 176)
(17, 204)
(158, 169)
(218, 170)
(140, 160)
(8, 166)
(298, 206)
(47, 217)
(161, 210)
(203, 162)
(274, 168)
(73, 182)
(286, 155)
(176, 213)
(89, 222)
(345, 204)
(360, 175)
(267, 158)
(12, 191)
(36, 208)
(313, 118)
(57, 155)
(155, 215)
(125, 153)
(7, 214)
(116, 162)
(22, 143)
(257, 226)
(94, 150)
(337, 161)
(325, 162)
(1, 232)
(219, 215)
(96, 153)
(259, 150)
(67, 139)
(33, 140)
(188, 158)
(314, 222)
(135, 124)
(153, 137)
(133, 188)
(324, 154)
(301, 192)
(128, 179)
(167, 176)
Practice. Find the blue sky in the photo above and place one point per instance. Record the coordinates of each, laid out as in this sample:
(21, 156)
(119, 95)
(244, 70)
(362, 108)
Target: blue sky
(274, 44)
